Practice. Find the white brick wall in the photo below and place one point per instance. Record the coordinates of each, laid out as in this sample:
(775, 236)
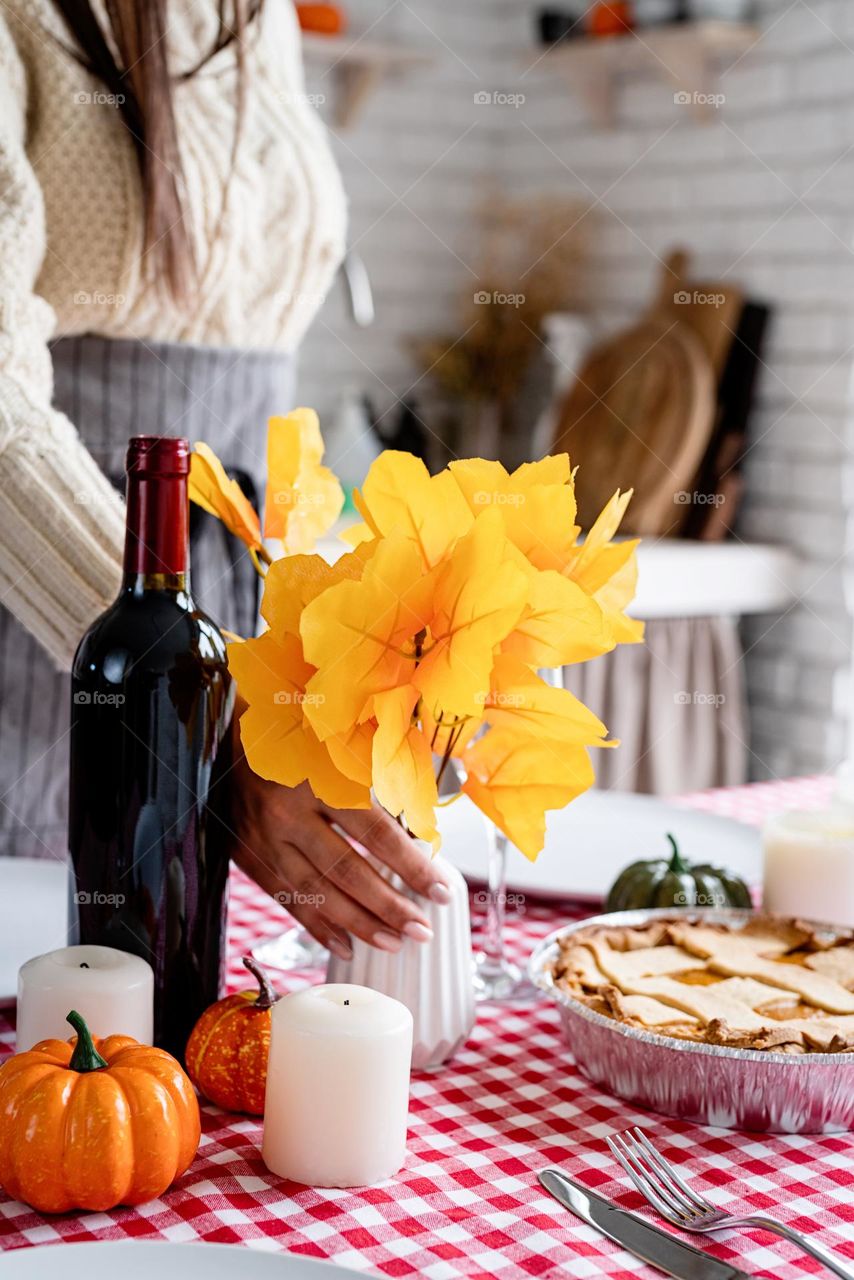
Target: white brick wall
(413, 164)
(764, 196)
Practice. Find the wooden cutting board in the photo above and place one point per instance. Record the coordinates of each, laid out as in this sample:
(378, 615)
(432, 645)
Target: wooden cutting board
(712, 308)
(641, 413)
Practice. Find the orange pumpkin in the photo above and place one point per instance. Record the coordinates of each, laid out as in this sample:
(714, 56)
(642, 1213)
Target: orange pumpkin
(322, 19)
(227, 1051)
(610, 19)
(88, 1124)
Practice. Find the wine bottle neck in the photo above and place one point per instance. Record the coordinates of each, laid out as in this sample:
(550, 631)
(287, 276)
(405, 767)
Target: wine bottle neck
(157, 534)
(135, 584)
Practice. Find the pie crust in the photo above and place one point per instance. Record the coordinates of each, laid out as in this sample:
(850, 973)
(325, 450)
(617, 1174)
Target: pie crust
(769, 984)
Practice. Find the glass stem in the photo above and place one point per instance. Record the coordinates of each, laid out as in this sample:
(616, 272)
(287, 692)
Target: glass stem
(497, 884)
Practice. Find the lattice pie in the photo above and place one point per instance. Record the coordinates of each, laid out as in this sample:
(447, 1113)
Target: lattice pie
(772, 984)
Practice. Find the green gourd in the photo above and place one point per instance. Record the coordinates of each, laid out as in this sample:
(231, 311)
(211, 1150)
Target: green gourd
(659, 883)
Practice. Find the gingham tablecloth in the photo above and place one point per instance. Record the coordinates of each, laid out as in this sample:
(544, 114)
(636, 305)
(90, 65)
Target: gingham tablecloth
(467, 1202)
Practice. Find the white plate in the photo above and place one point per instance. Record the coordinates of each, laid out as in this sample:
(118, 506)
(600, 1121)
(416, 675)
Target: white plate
(142, 1259)
(590, 842)
(33, 915)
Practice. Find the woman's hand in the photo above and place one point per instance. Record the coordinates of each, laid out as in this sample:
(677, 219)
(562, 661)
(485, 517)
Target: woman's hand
(285, 841)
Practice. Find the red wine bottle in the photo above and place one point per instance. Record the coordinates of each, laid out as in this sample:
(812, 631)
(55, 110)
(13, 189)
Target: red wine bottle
(150, 747)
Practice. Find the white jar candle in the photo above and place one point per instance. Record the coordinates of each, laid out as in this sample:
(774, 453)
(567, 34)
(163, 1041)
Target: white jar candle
(337, 1086)
(113, 990)
(809, 865)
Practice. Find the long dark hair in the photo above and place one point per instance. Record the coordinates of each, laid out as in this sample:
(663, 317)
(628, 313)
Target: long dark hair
(142, 83)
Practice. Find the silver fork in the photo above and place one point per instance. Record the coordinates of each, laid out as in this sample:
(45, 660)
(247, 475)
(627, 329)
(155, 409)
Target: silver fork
(670, 1196)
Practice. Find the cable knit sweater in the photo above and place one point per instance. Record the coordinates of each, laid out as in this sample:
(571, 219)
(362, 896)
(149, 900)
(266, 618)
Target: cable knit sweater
(71, 230)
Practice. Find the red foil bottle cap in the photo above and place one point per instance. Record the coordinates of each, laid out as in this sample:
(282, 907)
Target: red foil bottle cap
(158, 456)
(158, 513)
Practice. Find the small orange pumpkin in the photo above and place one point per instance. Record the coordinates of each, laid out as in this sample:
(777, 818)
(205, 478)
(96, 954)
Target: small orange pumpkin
(88, 1124)
(227, 1051)
(322, 19)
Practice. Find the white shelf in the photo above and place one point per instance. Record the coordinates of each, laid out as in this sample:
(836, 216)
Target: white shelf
(681, 578)
(356, 67)
(687, 55)
(678, 578)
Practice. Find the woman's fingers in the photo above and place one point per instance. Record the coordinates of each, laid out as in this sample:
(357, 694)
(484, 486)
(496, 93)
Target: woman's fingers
(341, 865)
(286, 843)
(310, 892)
(280, 879)
(387, 841)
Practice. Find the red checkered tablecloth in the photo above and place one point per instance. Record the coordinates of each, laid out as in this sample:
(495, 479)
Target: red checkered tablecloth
(467, 1202)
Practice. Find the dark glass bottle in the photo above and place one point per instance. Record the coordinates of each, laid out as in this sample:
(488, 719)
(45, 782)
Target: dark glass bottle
(150, 711)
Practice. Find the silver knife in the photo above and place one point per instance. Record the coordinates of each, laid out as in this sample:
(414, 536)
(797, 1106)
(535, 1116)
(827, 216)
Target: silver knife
(640, 1238)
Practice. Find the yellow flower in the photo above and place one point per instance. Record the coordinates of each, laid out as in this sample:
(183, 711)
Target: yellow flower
(423, 643)
(536, 502)
(278, 741)
(210, 488)
(514, 779)
(292, 582)
(538, 505)
(478, 598)
(522, 703)
(400, 494)
(304, 499)
(402, 764)
(360, 635)
(608, 570)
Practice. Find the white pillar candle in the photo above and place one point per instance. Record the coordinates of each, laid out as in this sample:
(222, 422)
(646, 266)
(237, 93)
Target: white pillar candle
(337, 1086)
(809, 865)
(112, 990)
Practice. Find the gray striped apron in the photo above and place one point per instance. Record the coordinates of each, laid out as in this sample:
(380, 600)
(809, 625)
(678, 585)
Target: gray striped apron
(113, 389)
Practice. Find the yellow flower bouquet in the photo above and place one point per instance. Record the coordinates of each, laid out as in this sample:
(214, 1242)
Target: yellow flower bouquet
(422, 644)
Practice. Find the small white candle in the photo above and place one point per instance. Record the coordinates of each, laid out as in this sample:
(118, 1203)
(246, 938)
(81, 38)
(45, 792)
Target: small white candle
(113, 990)
(337, 1086)
(809, 865)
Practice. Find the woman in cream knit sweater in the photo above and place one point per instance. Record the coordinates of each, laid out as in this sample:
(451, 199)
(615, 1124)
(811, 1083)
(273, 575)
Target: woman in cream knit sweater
(158, 269)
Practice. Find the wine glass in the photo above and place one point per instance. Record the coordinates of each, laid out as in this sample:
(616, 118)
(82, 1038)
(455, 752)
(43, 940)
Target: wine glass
(293, 949)
(496, 977)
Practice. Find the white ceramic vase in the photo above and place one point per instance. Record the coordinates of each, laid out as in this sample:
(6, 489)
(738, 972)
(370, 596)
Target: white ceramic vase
(433, 979)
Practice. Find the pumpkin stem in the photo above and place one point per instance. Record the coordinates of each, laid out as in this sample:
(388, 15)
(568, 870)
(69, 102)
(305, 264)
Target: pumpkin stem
(266, 997)
(677, 866)
(85, 1056)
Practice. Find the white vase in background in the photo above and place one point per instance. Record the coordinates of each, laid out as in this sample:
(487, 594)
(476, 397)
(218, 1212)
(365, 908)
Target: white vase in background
(433, 979)
(722, 10)
(567, 336)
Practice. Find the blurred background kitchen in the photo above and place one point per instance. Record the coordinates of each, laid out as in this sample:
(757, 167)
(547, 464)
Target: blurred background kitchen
(628, 228)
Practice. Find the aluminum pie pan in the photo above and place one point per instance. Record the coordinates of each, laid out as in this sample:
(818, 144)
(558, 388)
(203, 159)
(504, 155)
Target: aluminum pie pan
(709, 1084)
